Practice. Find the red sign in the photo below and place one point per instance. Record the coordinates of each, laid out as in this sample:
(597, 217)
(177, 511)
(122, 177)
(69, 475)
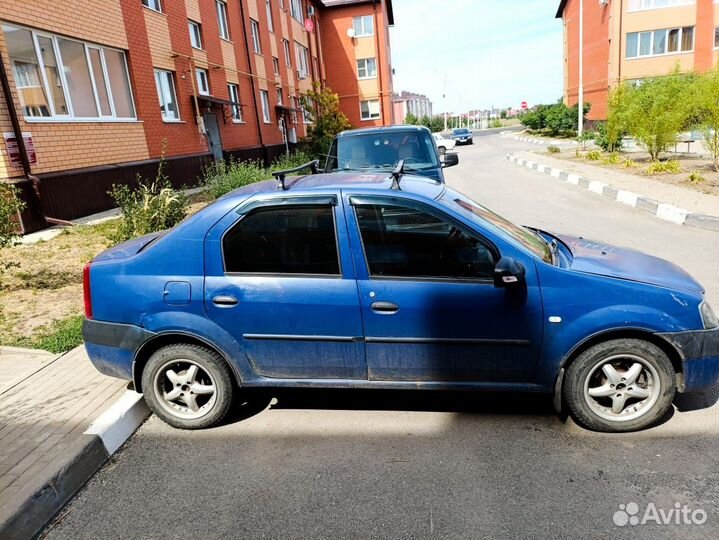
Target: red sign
(523, 105)
(309, 24)
(13, 151)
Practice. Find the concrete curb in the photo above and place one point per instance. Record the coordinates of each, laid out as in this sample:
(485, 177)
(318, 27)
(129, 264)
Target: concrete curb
(536, 140)
(664, 211)
(36, 505)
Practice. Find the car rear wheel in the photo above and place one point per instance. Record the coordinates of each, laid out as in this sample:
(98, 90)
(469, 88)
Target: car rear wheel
(620, 385)
(188, 386)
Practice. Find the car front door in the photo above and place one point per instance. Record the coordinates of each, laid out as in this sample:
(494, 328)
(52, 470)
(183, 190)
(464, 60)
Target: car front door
(430, 309)
(279, 278)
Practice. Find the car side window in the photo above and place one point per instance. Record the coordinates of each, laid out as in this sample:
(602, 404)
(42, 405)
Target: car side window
(283, 240)
(405, 242)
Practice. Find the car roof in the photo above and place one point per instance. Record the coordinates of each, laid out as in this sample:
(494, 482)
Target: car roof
(383, 129)
(367, 182)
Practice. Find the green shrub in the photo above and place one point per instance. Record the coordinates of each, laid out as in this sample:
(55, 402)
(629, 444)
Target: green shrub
(553, 149)
(612, 159)
(695, 177)
(594, 155)
(671, 166)
(153, 206)
(10, 205)
(496, 123)
(607, 139)
(628, 163)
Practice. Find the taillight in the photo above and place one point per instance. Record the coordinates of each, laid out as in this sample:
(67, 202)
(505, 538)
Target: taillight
(86, 291)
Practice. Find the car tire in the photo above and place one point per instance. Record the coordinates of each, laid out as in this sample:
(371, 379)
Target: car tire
(188, 386)
(442, 150)
(619, 385)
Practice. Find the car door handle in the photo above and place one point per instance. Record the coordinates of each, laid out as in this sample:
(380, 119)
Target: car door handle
(225, 300)
(385, 307)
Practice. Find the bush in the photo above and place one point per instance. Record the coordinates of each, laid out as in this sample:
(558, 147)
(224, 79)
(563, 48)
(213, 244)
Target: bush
(609, 140)
(594, 155)
(671, 166)
(553, 119)
(695, 177)
(553, 149)
(326, 117)
(10, 205)
(496, 123)
(628, 163)
(153, 206)
(612, 159)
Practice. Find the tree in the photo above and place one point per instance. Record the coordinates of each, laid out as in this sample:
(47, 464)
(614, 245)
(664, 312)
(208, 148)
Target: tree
(327, 120)
(411, 119)
(657, 110)
(706, 111)
(10, 205)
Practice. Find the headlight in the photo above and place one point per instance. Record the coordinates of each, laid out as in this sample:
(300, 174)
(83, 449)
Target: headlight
(708, 316)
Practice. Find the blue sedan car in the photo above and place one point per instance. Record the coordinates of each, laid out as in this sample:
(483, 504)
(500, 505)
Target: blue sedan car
(364, 280)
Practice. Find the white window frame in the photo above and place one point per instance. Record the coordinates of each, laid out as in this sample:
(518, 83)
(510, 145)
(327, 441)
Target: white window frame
(154, 5)
(280, 99)
(646, 5)
(161, 94)
(369, 109)
(275, 65)
(195, 30)
(363, 32)
(303, 60)
(363, 66)
(202, 77)
(70, 117)
(296, 11)
(255, 32)
(222, 21)
(305, 113)
(666, 52)
(288, 57)
(233, 90)
(270, 20)
(265, 101)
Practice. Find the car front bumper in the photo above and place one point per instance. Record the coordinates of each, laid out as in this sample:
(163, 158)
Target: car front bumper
(699, 352)
(112, 346)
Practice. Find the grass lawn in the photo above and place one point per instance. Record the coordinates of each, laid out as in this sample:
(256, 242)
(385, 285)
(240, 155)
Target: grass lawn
(41, 302)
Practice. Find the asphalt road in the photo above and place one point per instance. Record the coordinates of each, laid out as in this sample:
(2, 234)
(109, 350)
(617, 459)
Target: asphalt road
(415, 465)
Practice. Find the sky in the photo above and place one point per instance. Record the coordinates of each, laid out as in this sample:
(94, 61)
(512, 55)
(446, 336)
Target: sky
(492, 52)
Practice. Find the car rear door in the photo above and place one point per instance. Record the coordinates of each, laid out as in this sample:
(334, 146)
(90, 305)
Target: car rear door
(431, 312)
(280, 280)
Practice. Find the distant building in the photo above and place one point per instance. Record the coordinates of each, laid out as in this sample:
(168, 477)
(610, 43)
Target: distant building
(634, 39)
(411, 103)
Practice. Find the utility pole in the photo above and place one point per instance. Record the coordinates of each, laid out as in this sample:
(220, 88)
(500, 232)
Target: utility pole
(444, 98)
(580, 97)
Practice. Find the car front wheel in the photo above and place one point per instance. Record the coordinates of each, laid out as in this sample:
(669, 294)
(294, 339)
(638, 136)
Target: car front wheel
(620, 385)
(188, 386)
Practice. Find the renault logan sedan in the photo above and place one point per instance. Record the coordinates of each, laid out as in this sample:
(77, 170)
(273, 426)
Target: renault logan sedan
(364, 280)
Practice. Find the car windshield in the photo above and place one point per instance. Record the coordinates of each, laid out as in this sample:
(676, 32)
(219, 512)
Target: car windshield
(382, 151)
(461, 131)
(526, 237)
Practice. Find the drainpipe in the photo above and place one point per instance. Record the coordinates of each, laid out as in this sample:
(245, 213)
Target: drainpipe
(379, 62)
(252, 78)
(17, 130)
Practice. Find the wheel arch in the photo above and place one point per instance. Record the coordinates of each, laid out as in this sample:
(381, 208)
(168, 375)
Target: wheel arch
(152, 345)
(608, 335)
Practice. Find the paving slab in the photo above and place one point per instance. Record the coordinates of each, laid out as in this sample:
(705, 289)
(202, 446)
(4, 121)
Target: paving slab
(16, 364)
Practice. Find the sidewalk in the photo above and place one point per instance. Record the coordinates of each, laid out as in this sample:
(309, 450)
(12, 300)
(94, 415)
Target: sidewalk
(47, 403)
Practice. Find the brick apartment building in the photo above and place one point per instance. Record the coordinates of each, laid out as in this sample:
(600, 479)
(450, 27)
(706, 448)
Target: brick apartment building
(96, 86)
(410, 103)
(626, 40)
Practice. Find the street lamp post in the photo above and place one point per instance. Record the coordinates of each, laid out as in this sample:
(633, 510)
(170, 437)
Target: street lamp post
(580, 97)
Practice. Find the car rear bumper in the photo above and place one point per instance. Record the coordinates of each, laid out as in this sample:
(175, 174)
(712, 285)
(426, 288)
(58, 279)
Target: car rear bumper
(699, 352)
(112, 346)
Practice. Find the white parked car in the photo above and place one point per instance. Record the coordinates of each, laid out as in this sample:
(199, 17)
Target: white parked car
(443, 143)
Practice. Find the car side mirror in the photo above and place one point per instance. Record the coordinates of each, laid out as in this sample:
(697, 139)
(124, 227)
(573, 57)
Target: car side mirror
(449, 160)
(508, 273)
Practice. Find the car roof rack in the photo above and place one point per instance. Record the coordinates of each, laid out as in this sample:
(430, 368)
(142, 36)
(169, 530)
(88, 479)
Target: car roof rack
(397, 175)
(311, 165)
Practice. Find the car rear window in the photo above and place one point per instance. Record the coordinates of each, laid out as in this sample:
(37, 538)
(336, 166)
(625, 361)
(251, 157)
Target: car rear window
(283, 240)
(382, 151)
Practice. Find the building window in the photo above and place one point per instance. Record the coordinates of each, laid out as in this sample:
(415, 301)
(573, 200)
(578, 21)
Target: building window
(154, 5)
(306, 105)
(276, 65)
(303, 60)
(638, 5)
(255, 27)
(296, 10)
(270, 22)
(265, 99)
(364, 26)
(203, 82)
(222, 19)
(165, 82)
(234, 92)
(195, 34)
(367, 68)
(279, 96)
(659, 42)
(286, 47)
(716, 38)
(369, 110)
(66, 78)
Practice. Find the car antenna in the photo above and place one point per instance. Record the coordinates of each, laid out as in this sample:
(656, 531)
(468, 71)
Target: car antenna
(397, 175)
(280, 175)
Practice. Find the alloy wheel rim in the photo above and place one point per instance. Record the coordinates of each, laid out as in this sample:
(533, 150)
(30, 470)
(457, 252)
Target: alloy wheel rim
(622, 387)
(185, 389)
